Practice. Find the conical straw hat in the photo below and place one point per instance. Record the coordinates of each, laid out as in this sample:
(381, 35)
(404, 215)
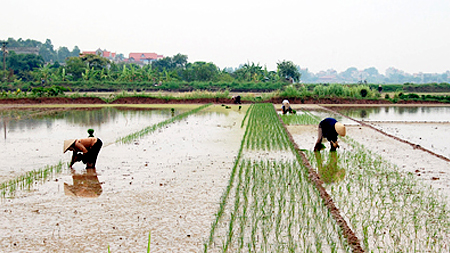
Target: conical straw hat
(340, 129)
(67, 144)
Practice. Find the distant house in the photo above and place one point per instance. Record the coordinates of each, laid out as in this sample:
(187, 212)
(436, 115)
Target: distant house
(143, 58)
(103, 53)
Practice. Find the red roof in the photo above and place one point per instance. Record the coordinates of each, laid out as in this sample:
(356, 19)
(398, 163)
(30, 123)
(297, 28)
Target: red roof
(144, 56)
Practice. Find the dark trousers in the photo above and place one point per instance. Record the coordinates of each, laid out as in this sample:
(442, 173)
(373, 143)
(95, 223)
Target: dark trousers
(90, 158)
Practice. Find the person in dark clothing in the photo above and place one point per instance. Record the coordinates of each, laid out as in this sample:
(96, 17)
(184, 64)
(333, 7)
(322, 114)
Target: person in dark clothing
(85, 150)
(329, 128)
(236, 99)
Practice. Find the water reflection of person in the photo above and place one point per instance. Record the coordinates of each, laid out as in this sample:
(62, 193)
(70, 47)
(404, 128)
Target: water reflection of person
(84, 185)
(85, 150)
(330, 172)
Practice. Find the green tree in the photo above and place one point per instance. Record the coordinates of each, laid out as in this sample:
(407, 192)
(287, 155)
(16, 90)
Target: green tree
(250, 72)
(180, 60)
(47, 52)
(75, 52)
(200, 71)
(288, 70)
(75, 67)
(165, 63)
(95, 61)
(22, 65)
(63, 53)
(43, 73)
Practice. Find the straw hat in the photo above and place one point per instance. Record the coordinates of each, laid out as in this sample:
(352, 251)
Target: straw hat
(340, 129)
(67, 144)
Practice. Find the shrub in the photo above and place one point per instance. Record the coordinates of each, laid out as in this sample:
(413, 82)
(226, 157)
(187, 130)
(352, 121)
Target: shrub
(364, 92)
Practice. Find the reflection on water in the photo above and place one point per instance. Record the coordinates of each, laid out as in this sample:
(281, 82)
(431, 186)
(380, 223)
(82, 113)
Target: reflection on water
(34, 138)
(329, 172)
(421, 125)
(84, 185)
(399, 113)
(83, 117)
(117, 120)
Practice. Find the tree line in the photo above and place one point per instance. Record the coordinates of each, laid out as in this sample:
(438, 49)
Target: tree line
(64, 67)
(94, 68)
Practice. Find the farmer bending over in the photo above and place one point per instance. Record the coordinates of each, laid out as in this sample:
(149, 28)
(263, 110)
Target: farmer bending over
(329, 128)
(85, 150)
(286, 107)
(236, 99)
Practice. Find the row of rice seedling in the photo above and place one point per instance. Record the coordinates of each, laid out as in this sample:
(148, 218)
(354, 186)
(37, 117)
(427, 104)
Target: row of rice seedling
(389, 210)
(270, 205)
(139, 134)
(301, 118)
(266, 133)
(26, 181)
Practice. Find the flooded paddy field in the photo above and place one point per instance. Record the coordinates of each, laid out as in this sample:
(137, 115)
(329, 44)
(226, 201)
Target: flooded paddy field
(31, 137)
(426, 126)
(169, 182)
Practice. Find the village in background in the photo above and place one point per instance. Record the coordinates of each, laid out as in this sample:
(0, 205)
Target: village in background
(350, 75)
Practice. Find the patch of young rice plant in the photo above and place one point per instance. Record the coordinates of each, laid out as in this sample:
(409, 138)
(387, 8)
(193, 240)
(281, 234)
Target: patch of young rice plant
(267, 133)
(388, 209)
(26, 181)
(275, 208)
(301, 118)
(129, 138)
(270, 205)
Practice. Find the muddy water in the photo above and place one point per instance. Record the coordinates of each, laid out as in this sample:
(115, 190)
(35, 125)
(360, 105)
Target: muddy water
(426, 126)
(30, 142)
(168, 183)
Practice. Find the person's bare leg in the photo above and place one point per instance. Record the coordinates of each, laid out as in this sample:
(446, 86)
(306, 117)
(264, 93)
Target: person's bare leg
(318, 145)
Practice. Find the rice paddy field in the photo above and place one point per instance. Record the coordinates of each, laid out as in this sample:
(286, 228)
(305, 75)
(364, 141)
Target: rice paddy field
(225, 178)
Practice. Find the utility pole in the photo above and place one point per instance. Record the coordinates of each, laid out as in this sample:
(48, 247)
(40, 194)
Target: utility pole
(4, 43)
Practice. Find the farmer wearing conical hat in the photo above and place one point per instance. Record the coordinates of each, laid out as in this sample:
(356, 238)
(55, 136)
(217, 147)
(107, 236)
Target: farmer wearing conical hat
(85, 150)
(329, 128)
(286, 107)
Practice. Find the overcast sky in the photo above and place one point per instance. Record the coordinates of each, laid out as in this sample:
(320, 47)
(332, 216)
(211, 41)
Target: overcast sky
(410, 35)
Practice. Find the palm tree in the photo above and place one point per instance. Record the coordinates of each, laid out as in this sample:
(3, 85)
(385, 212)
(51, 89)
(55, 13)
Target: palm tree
(288, 70)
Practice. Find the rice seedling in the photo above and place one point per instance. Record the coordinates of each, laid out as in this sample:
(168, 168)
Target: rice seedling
(387, 208)
(301, 118)
(269, 204)
(139, 134)
(27, 180)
